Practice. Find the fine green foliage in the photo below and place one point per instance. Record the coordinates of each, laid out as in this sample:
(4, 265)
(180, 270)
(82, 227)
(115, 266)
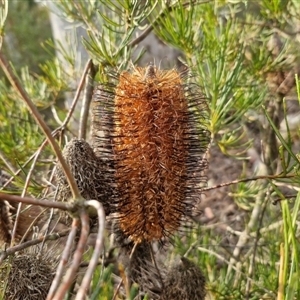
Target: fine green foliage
(244, 55)
(24, 34)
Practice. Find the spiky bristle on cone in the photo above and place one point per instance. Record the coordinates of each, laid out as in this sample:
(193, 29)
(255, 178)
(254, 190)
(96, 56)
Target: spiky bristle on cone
(153, 135)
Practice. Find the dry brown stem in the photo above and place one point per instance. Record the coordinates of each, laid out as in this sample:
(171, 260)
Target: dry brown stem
(97, 250)
(44, 203)
(71, 272)
(55, 236)
(21, 91)
(64, 259)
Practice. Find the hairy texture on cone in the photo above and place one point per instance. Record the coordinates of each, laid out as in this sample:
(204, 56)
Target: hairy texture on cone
(87, 170)
(151, 134)
(29, 276)
(184, 281)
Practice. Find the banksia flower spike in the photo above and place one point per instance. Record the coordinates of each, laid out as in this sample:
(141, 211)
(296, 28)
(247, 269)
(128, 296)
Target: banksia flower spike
(149, 127)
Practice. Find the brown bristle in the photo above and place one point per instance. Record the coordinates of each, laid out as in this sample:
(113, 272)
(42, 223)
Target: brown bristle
(153, 131)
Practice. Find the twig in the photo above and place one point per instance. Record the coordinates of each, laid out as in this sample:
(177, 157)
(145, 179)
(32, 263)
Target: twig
(191, 247)
(87, 97)
(64, 259)
(48, 224)
(45, 203)
(59, 129)
(245, 235)
(52, 210)
(71, 273)
(117, 289)
(97, 251)
(101, 262)
(87, 67)
(18, 87)
(133, 250)
(23, 166)
(270, 177)
(24, 191)
(12, 250)
(156, 267)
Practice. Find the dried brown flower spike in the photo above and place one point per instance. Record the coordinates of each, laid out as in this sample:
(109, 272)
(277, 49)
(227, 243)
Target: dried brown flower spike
(153, 135)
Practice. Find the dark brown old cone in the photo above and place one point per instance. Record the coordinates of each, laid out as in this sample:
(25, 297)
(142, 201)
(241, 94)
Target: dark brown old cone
(184, 281)
(88, 171)
(27, 276)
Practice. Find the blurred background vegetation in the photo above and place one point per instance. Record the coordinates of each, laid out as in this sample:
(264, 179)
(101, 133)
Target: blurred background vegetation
(27, 28)
(244, 55)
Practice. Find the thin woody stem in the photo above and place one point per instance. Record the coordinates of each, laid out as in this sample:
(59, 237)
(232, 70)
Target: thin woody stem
(97, 251)
(63, 125)
(44, 143)
(64, 259)
(71, 272)
(89, 76)
(19, 88)
(28, 178)
(87, 68)
(270, 177)
(44, 203)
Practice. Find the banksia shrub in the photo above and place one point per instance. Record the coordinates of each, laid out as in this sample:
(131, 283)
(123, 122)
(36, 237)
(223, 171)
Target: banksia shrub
(149, 125)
